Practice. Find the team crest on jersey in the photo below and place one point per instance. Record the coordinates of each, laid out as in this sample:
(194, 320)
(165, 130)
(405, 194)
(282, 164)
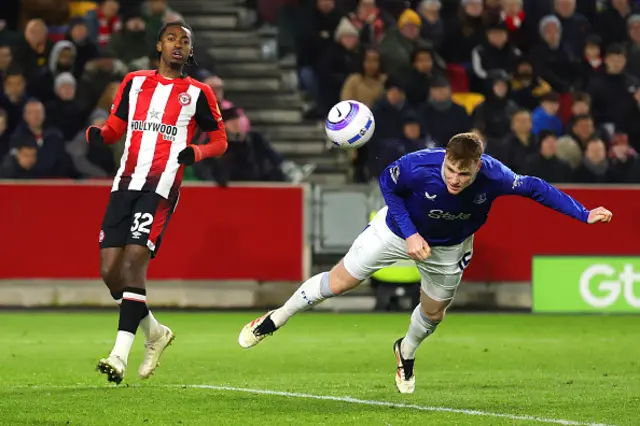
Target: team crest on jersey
(101, 236)
(480, 198)
(184, 98)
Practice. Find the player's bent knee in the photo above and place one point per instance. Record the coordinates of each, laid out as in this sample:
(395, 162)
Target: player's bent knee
(435, 316)
(341, 281)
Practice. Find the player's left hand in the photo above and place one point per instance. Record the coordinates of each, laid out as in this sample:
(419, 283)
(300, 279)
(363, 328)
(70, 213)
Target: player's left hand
(187, 156)
(599, 214)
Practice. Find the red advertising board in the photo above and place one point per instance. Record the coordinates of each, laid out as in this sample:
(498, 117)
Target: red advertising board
(244, 232)
(257, 232)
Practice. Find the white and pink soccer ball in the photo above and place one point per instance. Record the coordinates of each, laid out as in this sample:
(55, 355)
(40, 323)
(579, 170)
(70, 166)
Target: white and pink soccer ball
(349, 124)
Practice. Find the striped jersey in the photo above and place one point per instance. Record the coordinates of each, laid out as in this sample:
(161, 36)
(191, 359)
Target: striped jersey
(161, 116)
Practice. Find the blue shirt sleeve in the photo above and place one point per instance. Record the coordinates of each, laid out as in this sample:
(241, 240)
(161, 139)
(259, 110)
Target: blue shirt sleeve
(395, 184)
(542, 192)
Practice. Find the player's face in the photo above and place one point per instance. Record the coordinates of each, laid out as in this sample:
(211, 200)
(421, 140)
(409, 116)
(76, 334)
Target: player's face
(175, 46)
(458, 178)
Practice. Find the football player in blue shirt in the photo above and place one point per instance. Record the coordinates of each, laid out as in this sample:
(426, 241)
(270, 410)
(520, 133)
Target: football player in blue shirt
(436, 200)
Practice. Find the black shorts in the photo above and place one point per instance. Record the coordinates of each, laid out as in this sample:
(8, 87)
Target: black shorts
(136, 217)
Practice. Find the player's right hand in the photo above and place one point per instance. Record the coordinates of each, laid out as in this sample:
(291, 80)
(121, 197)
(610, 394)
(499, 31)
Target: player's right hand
(417, 247)
(94, 136)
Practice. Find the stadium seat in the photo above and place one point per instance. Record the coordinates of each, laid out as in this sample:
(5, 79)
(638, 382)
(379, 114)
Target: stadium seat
(80, 8)
(468, 100)
(457, 78)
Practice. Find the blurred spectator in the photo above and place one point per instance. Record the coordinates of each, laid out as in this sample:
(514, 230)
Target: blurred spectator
(611, 23)
(545, 164)
(633, 46)
(575, 26)
(389, 150)
(155, 13)
(527, 87)
(496, 111)
(398, 43)
(419, 78)
(61, 60)
(53, 161)
(316, 37)
(32, 55)
(521, 27)
(89, 160)
(8, 37)
(20, 163)
(612, 92)
(4, 134)
(592, 62)
(545, 117)
(340, 60)
(595, 166)
(98, 73)
(441, 117)
(494, 54)
(390, 110)
(520, 144)
(63, 112)
(367, 85)
(249, 157)
(5, 60)
(370, 21)
(432, 27)
(103, 22)
(86, 50)
(217, 85)
(582, 130)
(552, 60)
(14, 96)
(580, 105)
(623, 159)
(569, 151)
(464, 31)
(130, 43)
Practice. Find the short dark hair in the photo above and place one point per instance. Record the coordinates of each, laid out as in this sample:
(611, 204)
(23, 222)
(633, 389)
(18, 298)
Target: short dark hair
(581, 117)
(418, 50)
(544, 134)
(550, 97)
(616, 49)
(465, 148)
(581, 97)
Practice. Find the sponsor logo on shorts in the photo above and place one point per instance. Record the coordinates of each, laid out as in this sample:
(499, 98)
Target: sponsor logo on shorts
(136, 235)
(101, 236)
(441, 214)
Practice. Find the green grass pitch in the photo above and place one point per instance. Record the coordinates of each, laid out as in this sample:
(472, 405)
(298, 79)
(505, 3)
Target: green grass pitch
(331, 369)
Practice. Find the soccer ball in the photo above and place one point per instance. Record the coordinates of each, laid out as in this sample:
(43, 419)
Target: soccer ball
(350, 124)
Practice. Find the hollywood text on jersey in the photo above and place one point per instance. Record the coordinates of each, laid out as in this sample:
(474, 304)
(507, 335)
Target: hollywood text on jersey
(168, 131)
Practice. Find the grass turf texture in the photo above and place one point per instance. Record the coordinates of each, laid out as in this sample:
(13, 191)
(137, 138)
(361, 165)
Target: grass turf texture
(580, 368)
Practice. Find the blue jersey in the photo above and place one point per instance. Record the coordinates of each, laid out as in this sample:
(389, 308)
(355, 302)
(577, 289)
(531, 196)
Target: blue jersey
(418, 200)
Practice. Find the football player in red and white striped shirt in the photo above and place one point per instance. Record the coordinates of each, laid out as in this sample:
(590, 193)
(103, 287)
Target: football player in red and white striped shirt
(159, 111)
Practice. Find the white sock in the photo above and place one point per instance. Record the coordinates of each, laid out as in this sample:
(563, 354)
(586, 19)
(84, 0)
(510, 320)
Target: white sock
(124, 341)
(420, 328)
(310, 293)
(150, 327)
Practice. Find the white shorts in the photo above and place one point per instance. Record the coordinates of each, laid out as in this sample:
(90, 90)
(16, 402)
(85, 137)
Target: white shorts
(377, 247)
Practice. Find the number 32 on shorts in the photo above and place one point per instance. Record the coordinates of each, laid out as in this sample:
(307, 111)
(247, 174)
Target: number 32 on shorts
(142, 223)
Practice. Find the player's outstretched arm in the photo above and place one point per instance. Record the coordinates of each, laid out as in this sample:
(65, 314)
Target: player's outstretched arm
(394, 183)
(550, 196)
(116, 124)
(209, 120)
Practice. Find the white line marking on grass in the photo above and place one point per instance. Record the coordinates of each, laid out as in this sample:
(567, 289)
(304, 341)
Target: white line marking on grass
(346, 399)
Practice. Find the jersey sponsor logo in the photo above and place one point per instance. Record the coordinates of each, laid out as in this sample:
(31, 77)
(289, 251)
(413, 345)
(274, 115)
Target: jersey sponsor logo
(168, 131)
(184, 99)
(101, 236)
(517, 181)
(441, 214)
(395, 173)
(480, 198)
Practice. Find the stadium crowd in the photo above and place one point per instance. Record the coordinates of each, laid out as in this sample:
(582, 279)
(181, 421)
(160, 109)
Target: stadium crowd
(552, 85)
(61, 72)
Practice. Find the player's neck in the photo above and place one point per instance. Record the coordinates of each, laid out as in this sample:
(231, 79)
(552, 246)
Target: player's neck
(169, 72)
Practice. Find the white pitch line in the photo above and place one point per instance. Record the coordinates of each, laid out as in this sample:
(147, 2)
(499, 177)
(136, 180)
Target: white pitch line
(338, 399)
